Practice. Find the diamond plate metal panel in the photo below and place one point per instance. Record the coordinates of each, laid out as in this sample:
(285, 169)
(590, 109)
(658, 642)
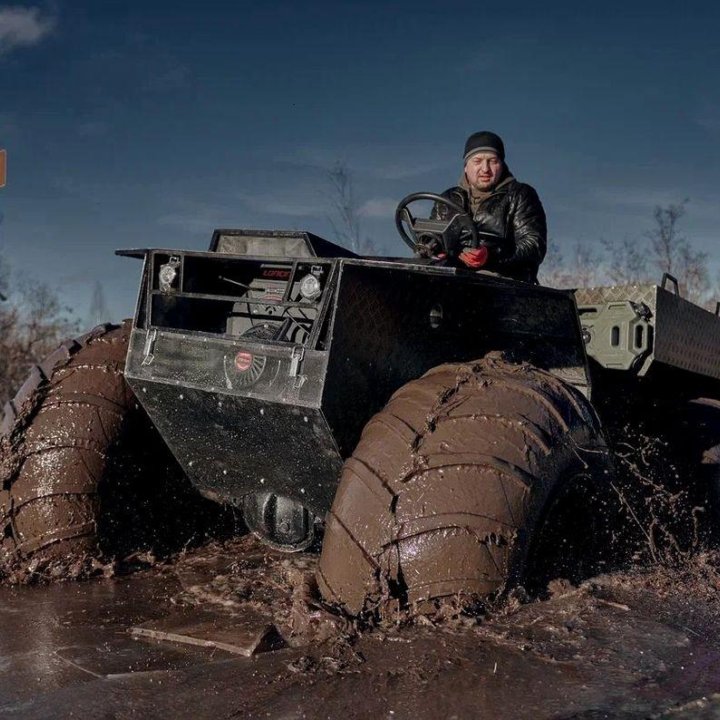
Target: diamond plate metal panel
(392, 325)
(617, 293)
(686, 335)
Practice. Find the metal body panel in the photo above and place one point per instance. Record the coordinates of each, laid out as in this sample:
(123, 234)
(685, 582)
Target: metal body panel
(285, 422)
(686, 335)
(644, 293)
(205, 363)
(392, 324)
(682, 335)
(231, 446)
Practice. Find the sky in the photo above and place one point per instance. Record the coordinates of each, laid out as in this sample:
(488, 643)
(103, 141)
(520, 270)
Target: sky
(149, 124)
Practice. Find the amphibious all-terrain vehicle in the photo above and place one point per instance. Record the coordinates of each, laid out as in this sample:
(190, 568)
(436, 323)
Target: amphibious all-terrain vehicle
(438, 427)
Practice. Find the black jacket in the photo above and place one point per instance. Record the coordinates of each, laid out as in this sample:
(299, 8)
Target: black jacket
(514, 212)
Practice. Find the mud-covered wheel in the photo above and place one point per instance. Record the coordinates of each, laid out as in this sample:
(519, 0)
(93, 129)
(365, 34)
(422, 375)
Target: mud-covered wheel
(81, 468)
(56, 436)
(460, 486)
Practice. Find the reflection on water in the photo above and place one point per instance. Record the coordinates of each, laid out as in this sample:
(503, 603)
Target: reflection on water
(624, 645)
(64, 634)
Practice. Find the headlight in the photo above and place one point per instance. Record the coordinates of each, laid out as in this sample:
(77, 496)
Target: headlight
(168, 274)
(310, 287)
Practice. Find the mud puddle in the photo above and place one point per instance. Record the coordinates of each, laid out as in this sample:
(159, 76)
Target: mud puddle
(641, 644)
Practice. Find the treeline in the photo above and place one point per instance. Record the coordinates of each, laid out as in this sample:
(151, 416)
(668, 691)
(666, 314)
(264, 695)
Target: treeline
(662, 249)
(32, 323)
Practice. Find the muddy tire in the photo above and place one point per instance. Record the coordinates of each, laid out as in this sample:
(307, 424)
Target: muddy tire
(82, 471)
(56, 435)
(460, 487)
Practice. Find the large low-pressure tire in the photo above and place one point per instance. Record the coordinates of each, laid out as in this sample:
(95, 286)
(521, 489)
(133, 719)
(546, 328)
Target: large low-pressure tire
(462, 486)
(82, 471)
(56, 434)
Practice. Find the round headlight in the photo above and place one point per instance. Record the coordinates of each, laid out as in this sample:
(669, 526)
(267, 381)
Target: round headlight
(310, 287)
(167, 276)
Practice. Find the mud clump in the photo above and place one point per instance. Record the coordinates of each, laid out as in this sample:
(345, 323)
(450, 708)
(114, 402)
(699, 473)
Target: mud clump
(43, 569)
(241, 575)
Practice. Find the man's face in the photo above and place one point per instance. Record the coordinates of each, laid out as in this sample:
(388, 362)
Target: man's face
(483, 171)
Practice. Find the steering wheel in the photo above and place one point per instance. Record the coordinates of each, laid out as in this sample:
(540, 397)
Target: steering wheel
(445, 233)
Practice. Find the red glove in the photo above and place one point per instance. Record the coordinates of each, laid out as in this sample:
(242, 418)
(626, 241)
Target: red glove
(474, 258)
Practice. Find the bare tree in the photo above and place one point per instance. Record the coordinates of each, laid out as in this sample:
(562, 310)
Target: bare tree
(4, 277)
(672, 252)
(627, 261)
(346, 218)
(693, 274)
(553, 271)
(665, 240)
(346, 223)
(582, 270)
(32, 323)
(624, 262)
(586, 265)
(98, 312)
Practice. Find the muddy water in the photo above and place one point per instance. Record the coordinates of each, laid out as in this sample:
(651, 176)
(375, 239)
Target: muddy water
(641, 644)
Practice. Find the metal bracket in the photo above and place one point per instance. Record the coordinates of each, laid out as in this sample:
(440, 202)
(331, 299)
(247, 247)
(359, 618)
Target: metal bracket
(668, 278)
(298, 353)
(149, 349)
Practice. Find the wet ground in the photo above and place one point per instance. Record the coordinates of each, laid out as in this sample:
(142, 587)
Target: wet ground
(644, 644)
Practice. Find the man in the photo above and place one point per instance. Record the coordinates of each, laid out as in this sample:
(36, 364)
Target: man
(499, 205)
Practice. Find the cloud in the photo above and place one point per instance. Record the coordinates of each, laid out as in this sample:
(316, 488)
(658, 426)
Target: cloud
(296, 204)
(22, 27)
(634, 197)
(708, 117)
(197, 224)
(92, 128)
(377, 161)
(165, 75)
(378, 208)
(405, 169)
(199, 218)
(193, 215)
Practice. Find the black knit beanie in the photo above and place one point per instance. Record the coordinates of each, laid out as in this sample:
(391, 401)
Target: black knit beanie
(484, 141)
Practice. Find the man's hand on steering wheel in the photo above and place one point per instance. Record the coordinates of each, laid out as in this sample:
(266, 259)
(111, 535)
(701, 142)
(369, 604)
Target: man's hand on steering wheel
(475, 258)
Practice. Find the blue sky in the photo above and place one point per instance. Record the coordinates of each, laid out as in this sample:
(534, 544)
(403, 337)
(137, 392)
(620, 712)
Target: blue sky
(148, 124)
